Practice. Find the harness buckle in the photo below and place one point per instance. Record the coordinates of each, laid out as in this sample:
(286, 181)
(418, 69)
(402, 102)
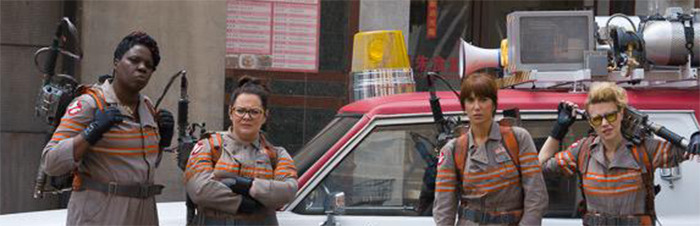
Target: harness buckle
(112, 188)
(143, 191)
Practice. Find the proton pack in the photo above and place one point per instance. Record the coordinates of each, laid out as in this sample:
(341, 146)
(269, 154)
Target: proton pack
(56, 93)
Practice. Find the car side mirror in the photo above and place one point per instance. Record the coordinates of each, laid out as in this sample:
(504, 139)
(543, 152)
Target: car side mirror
(335, 203)
(671, 175)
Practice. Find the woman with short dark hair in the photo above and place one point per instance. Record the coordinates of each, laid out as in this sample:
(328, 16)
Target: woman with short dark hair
(490, 175)
(111, 138)
(236, 177)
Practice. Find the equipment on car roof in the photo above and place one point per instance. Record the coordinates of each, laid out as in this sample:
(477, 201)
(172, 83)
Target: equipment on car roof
(380, 65)
(558, 49)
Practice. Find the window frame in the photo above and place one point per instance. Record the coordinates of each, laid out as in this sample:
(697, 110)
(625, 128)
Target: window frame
(403, 119)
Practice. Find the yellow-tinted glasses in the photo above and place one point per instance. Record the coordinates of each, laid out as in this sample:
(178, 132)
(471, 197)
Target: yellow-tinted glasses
(253, 112)
(598, 119)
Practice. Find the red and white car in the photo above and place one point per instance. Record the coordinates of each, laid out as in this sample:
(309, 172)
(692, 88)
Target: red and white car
(372, 153)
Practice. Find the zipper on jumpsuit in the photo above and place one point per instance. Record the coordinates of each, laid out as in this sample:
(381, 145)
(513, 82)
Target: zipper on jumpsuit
(145, 157)
(145, 153)
(482, 203)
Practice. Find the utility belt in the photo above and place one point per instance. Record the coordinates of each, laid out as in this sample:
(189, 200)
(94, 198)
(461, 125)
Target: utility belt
(141, 191)
(591, 219)
(220, 215)
(206, 219)
(491, 217)
(206, 216)
(214, 214)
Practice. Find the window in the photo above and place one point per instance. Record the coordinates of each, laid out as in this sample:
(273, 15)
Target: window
(323, 141)
(564, 193)
(383, 175)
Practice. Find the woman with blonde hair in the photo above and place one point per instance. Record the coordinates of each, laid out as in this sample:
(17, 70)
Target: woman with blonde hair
(617, 175)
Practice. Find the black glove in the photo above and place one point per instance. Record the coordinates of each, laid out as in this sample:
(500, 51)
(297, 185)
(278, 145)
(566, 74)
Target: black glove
(565, 119)
(166, 125)
(694, 145)
(101, 123)
(249, 205)
(239, 185)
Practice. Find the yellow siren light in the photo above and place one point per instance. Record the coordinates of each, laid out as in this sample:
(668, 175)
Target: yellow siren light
(379, 50)
(376, 51)
(380, 65)
(504, 53)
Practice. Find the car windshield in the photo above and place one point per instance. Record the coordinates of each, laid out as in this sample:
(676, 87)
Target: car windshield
(323, 141)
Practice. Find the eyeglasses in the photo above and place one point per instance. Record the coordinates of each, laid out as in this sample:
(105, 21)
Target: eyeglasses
(252, 112)
(598, 119)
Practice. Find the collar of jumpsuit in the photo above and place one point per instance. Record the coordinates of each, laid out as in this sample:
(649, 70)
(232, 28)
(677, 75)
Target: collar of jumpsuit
(623, 157)
(238, 144)
(494, 137)
(145, 116)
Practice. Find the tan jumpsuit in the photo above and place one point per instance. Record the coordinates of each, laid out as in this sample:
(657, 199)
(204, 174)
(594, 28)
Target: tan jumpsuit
(615, 187)
(491, 183)
(126, 155)
(272, 187)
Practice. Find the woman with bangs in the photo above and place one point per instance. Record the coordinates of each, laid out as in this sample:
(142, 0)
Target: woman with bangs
(489, 175)
(617, 175)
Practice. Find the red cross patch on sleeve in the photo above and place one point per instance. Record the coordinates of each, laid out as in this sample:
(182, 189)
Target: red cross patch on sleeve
(441, 159)
(574, 145)
(197, 148)
(75, 108)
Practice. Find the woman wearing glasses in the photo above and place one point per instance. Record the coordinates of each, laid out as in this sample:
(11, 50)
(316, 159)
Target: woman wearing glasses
(236, 177)
(617, 179)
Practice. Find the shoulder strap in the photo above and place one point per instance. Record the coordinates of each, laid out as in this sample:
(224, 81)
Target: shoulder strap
(215, 142)
(584, 156)
(96, 95)
(640, 157)
(99, 98)
(460, 154)
(644, 156)
(511, 144)
(151, 108)
(647, 178)
(269, 150)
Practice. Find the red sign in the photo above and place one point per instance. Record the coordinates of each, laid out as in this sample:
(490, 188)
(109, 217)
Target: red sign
(431, 22)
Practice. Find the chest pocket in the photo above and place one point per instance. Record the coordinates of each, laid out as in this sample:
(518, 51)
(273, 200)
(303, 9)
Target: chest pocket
(505, 162)
(258, 166)
(502, 157)
(263, 167)
(151, 134)
(477, 164)
(245, 167)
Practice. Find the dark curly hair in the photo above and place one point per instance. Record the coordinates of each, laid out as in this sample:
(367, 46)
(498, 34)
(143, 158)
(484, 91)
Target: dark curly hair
(138, 38)
(250, 85)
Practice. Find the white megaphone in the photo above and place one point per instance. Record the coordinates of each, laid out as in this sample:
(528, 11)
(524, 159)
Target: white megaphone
(472, 58)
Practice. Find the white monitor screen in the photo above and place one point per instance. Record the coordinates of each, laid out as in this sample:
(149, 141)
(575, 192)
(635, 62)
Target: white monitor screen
(553, 39)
